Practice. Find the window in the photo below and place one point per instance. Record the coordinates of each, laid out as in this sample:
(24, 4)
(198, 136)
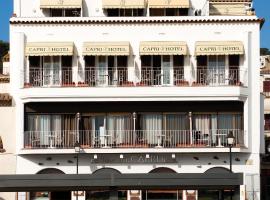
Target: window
(162, 70)
(267, 122)
(211, 70)
(168, 12)
(44, 130)
(65, 12)
(106, 70)
(216, 126)
(125, 12)
(266, 87)
(108, 129)
(50, 70)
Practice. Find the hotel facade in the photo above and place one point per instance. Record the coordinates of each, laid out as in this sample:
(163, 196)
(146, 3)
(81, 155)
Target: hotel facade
(149, 90)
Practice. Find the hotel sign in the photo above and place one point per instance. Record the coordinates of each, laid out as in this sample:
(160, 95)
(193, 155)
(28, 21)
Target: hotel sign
(49, 49)
(133, 159)
(163, 48)
(219, 48)
(106, 49)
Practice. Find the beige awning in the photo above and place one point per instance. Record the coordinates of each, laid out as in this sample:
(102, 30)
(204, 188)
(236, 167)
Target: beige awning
(124, 4)
(168, 3)
(60, 3)
(228, 8)
(219, 48)
(106, 49)
(49, 49)
(163, 48)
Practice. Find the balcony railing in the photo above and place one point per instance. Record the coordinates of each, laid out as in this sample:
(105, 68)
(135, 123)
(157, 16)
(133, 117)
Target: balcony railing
(132, 139)
(124, 77)
(38, 77)
(217, 77)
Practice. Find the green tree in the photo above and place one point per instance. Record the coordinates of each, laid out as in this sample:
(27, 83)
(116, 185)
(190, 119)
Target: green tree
(4, 48)
(264, 51)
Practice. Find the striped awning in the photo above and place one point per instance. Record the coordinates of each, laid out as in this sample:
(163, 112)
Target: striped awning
(124, 4)
(168, 3)
(163, 48)
(60, 3)
(227, 8)
(219, 48)
(106, 49)
(49, 49)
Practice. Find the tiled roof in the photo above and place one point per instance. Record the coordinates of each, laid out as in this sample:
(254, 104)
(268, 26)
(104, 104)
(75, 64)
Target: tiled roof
(137, 20)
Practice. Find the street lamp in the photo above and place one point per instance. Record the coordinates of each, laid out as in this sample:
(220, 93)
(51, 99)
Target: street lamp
(77, 148)
(230, 140)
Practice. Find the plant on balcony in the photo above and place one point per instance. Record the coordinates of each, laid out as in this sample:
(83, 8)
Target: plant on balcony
(127, 84)
(68, 84)
(181, 83)
(195, 84)
(82, 84)
(239, 83)
(141, 84)
(27, 85)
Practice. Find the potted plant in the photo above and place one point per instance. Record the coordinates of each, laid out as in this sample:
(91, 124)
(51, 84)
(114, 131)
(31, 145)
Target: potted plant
(82, 84)
(181, 83)
(27, 85)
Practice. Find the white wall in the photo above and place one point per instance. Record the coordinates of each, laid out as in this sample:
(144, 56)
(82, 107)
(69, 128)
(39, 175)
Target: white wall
(7, 133)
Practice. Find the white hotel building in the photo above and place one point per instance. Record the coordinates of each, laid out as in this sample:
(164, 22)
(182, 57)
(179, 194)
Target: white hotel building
(150, 89)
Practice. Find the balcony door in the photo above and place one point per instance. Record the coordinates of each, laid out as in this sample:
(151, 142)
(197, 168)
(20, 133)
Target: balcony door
(111, 70)
(216, 70)
(44, 130)
(167, 70)
(151, 125)
(102, 71)
(51, 70)
(119, 128)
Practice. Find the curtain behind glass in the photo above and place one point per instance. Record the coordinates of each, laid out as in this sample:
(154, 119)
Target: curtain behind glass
(151, 127)
(56, 70)
(177, 128)
(119, 128)
(69, 130)
(44, 128)
(229, 121)
(205, 126)
(87, 131)
(56, 129)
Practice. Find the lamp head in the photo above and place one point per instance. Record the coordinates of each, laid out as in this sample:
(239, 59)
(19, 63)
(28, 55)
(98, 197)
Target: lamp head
(77, 147)
(230, 138)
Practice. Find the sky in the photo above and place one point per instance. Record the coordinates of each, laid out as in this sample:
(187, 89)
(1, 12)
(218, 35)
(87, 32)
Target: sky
(261, 6)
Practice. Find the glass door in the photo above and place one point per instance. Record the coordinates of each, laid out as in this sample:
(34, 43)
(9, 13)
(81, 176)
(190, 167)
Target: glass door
(102, 71)
(100, 132)
(51, 70)
(166, 70)
(216, 70)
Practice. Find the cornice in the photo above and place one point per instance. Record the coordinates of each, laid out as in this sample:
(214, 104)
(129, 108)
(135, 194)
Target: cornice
(133, 20)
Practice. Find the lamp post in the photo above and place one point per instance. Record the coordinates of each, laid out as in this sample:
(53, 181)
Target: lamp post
(134, 115)
(77, 149)
(230, 140)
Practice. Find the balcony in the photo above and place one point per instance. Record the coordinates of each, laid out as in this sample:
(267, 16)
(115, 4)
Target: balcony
(124, 77)
(132, 139)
